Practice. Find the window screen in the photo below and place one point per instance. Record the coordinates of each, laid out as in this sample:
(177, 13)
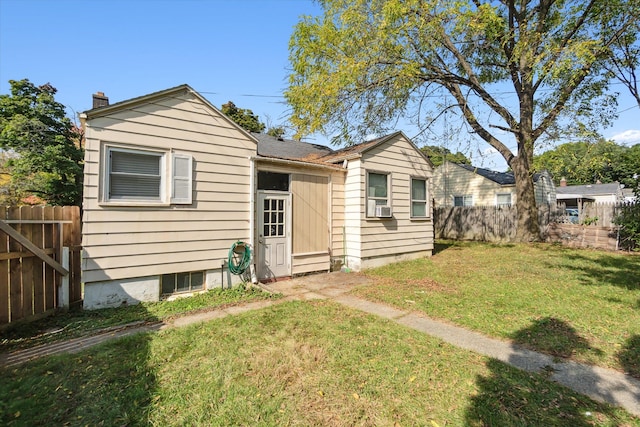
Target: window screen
(418, 198)
(134, 175)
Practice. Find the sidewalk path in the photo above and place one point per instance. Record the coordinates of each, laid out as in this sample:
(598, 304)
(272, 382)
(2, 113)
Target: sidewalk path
(604, 385)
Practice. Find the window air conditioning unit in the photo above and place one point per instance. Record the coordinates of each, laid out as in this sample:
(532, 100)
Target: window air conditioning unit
(383, 211)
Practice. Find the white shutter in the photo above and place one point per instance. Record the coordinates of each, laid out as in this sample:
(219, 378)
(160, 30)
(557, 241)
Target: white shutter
(181, 179)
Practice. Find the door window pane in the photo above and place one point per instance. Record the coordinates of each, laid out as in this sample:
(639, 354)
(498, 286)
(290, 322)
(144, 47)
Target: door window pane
(274, 219)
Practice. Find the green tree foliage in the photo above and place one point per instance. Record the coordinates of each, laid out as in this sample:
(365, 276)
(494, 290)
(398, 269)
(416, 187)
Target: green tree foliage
(629, 221)
(48, 158)
(366, 63)
(438, 155)
(624, 61)
(243, 117)
(589, 162)
(276, 132)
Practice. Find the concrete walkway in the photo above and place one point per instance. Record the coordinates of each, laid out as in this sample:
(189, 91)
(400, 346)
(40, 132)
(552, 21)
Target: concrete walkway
(604, 385)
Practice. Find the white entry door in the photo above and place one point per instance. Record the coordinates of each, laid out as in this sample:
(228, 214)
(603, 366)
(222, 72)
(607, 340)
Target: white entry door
(274, 235)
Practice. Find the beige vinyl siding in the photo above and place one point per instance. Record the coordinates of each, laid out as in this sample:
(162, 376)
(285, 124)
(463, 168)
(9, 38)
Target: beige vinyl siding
(399, 234)
(129, 241)
(451, 180)
(545, 190)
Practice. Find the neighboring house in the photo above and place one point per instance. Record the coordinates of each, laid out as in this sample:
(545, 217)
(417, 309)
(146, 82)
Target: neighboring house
(465, 185)
(574, 196)
(171, 183)
(628, 195)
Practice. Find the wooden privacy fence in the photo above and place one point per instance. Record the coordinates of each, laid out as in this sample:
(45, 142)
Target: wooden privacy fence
(594, 226)
(30, 260)
(600, 214)
(483, 223)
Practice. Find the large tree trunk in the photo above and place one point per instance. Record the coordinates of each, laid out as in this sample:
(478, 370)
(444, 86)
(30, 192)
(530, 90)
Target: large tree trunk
(528, 229)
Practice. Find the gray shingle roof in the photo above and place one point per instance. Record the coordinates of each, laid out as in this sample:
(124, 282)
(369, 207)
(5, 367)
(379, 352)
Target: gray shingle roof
(590, 190)
(502, 178)
(269, 146)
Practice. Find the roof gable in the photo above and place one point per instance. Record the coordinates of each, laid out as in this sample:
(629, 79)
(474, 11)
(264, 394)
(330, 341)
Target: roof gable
(177, 90)
(357, 150)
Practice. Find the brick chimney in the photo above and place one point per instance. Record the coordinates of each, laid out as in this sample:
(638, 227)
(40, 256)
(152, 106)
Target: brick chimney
(100, 100)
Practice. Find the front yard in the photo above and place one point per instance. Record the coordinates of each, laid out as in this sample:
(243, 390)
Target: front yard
(320, 363)
(578, 304)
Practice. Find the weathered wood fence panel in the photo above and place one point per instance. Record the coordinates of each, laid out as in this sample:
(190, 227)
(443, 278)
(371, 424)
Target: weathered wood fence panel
(599, 214)
(583, 236)
(28, 286)
(483, 223)
(594, 229)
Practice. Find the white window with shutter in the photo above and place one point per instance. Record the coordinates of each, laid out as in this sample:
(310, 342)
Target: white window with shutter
(141, 177)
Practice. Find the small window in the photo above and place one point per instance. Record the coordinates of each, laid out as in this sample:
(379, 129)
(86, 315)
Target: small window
(140, 176)
(503, 199)
(466, 200)
(419, 198)
(135, 175)
(377, 191)
(273, 181)
(182, 282)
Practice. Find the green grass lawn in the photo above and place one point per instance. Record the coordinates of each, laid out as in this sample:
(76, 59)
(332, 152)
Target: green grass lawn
(296, 363)
(578, 304)
(79, 323)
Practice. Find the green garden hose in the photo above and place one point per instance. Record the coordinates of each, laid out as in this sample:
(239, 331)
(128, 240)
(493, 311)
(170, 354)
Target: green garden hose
(239, 257)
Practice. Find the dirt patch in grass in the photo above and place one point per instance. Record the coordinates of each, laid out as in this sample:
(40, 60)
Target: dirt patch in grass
(430, 285)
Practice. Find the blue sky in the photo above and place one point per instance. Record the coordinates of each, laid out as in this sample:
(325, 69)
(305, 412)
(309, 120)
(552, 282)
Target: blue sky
(225, 49)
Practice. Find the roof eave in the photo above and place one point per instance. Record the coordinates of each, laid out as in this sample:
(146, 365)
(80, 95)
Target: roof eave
(300, 163)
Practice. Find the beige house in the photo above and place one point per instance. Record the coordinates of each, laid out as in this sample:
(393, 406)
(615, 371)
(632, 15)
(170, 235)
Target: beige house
(171, 183)
(466, 185)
